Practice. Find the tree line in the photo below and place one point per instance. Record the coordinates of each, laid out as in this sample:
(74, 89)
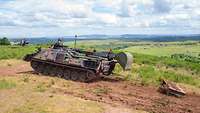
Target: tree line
(4, 41)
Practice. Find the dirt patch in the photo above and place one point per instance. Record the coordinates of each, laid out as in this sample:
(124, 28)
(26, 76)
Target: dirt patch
(14, 67)
(118, 93)
(120, 109)
(147, 98)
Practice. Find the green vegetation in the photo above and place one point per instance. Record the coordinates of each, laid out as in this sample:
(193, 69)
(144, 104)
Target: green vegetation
(150, 48)
(149, 57)
(15, 52)
(18, 52)
(4, 84)
(4, 41)
(148, 70)
(186, 58)
(166, 50)
(103, 44)
(190, 48)
(150, 75)
(167, 61)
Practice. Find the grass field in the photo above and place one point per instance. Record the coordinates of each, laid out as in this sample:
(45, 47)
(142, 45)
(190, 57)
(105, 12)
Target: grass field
(8, 52)
(153, 58)
(150, 48)
(30, 93)
(193, 50)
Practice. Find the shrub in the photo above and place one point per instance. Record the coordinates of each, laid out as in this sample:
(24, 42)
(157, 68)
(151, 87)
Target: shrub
(150, 75)
(167, 61)
(4, 41)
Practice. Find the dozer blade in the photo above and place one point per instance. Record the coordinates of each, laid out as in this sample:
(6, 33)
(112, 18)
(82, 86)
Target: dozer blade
(125, 60)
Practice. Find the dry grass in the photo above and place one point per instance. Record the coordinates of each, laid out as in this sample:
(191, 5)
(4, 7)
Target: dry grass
(48, 103)
(42, 94)
(10, 63)
(27, 98)
(190, 89)
(122, 109)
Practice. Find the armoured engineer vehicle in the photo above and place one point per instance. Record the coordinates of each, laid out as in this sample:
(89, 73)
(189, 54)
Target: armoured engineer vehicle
(75, 64)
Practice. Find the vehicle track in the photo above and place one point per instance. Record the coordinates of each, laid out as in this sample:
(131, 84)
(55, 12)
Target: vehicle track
(63, 71)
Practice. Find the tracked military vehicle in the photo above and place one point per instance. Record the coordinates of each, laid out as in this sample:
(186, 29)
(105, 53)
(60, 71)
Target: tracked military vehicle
(76, 64)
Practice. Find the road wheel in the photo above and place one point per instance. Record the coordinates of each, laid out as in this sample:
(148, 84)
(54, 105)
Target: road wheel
(66, 74)
(59, 72)
(82, 76)
(90, 76)
(46, 69)
(74, 75)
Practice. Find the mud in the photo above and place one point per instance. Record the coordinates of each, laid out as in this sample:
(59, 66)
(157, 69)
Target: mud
(147, 98)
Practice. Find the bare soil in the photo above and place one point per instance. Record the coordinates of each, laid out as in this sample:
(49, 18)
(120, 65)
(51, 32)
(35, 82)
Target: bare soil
(119, 93)
(147, 98)
(13, 69)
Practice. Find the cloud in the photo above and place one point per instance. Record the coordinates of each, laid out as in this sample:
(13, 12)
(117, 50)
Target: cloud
(100, 14)
(161, 6)
(124, 9)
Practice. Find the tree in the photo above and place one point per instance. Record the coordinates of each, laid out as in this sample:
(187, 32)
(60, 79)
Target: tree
(4, 41)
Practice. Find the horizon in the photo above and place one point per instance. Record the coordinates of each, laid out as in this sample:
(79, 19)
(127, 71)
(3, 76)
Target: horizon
(56, 18)
(108, 36)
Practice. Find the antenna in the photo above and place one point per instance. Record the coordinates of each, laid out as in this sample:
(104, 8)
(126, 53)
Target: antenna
(75, 41)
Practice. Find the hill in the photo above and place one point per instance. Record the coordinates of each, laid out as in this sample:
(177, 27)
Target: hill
(125, 37)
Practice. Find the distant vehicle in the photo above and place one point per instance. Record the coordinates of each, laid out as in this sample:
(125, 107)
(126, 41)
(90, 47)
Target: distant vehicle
(76, 64)
(24, 42)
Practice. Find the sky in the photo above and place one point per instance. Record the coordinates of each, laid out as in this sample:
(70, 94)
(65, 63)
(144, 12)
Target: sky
(40, 18)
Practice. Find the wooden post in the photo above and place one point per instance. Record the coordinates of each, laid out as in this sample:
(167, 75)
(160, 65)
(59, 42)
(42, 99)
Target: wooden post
(75, 41)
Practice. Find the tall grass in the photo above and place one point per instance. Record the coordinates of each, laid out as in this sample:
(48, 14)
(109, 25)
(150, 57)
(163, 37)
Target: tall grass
(167, 61)
(15, 52)
(146, 70)
(150, 75)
